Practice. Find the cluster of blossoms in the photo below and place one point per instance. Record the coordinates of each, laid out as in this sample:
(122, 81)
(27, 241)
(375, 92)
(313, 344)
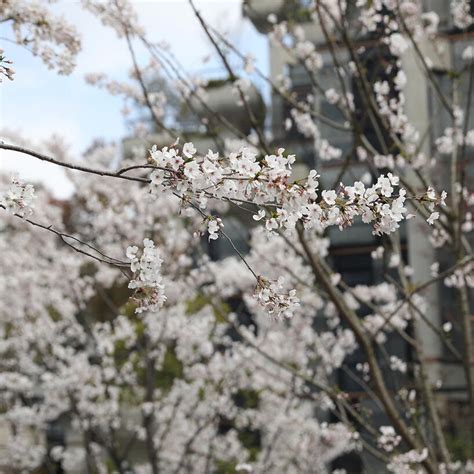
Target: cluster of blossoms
(453, 138)
(47, 36)
(461, 277)
(408, 463)
(391, 108)
(243, 177)
(432, 200)
(213, 228)
(115, 87)
(418, 22)
(115, 14)
(149, 290)
(388, 440)
(461, 12)
(391, 315)
(18, 199)
(397, 364)
(272, 296)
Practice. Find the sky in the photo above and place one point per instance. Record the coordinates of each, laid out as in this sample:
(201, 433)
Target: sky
(40, 103)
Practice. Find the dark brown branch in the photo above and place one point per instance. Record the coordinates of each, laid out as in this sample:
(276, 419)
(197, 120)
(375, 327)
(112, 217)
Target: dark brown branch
(85, 169)
(63, 236)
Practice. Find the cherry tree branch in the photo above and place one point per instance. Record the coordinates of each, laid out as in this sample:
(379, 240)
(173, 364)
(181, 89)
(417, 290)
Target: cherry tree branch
(71, 166)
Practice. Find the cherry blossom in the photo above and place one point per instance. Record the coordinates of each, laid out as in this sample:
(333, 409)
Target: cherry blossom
(19, 198)
(149, 291)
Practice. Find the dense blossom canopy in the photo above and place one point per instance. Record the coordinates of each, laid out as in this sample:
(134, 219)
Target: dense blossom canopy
(119, 326)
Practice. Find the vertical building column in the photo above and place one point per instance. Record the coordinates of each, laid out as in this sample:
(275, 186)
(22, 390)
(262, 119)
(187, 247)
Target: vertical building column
(421, 254)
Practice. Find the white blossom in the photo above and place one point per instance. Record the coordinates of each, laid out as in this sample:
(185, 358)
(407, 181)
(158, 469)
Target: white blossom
(388, 440)
(149, 290)
(19, 198)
